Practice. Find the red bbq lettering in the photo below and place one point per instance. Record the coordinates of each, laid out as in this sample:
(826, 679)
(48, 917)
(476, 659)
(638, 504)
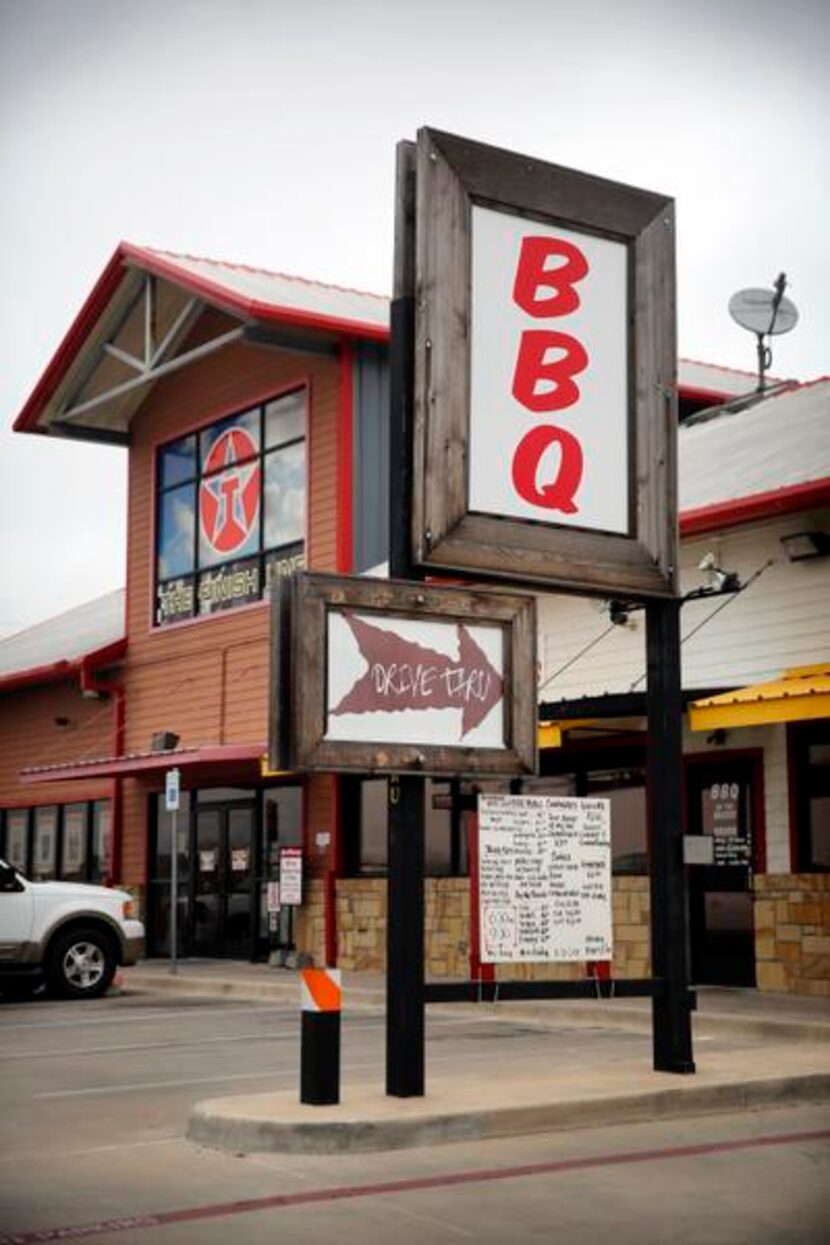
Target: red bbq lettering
(532, 276)
(546, 364)
(559, 493)
(543, 384)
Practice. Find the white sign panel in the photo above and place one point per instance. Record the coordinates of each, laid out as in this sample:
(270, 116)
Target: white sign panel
(414, 681)
(291, 876)
(171, 790)
(549, 374)
(544, 879)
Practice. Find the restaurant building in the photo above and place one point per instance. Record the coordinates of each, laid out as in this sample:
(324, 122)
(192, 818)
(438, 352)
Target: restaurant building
(253, 409)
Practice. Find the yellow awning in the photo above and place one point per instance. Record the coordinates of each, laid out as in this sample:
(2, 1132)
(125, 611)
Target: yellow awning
(265, 772)
(552, 734)
(802, 693)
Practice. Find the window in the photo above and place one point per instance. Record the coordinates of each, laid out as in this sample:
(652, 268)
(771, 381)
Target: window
(365, 804)
(16, 850)
(75, 842)
(811, 787)
(45, 854)
(230, 509)
(68, 841)
(617, 775)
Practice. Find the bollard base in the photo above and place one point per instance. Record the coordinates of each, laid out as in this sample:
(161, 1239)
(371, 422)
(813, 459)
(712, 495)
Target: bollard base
(320, 1059)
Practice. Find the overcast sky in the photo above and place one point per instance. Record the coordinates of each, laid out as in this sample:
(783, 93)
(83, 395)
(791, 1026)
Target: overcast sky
(264, 131)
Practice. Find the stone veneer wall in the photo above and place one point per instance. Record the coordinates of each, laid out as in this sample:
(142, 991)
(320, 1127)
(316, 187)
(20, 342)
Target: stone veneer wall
(361, 925)
(792, 932)
(310, 928)
(361, 931)
(447, 928)
(632, 934)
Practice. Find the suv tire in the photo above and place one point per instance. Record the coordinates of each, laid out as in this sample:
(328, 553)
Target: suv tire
(81, 964)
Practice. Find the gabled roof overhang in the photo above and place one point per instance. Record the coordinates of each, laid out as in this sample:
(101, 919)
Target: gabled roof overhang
(139, 324)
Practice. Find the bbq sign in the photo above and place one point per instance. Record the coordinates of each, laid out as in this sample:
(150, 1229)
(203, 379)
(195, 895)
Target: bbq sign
(544, 413)
(434, 680)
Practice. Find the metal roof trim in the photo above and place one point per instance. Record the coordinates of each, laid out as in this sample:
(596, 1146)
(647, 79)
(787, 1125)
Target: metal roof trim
(163, 264)
(71, 343)
(142, 763)
(65, 668)
(733, 513)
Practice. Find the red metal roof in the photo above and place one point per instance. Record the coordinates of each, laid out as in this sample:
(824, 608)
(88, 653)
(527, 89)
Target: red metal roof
(772, 457)
(272, 297)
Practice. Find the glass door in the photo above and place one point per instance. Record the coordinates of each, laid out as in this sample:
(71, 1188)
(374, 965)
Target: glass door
(221, 911)
(721, 805)
(207, 883)
(238, 921)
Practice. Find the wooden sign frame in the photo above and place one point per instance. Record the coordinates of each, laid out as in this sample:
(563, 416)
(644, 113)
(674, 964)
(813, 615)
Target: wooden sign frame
(301, 609)
(453, 176)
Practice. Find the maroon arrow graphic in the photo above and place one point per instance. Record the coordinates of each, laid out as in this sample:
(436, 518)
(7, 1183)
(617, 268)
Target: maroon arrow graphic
(404, 675)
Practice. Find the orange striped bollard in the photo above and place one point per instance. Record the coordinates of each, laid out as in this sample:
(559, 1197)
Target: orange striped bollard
(320, 1041)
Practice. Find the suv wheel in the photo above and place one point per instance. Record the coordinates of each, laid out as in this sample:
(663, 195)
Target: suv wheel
(81, 964)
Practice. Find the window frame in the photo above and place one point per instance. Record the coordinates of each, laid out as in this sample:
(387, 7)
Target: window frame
(802, 784)
(259, 560)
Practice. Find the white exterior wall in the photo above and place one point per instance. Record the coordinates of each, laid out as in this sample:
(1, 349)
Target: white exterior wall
(781, 620)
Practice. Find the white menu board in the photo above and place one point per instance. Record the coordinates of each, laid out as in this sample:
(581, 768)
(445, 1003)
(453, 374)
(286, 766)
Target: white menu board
(544, 879)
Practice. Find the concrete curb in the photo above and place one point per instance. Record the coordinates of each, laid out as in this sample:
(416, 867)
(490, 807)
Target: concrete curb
(286, 990)
(226, 1124)
(602, 1015)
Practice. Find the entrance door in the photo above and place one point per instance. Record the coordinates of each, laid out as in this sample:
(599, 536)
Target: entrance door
(721, 805)
(223, 860)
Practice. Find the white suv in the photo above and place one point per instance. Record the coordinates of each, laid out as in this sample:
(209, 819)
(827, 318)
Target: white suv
(68, 934)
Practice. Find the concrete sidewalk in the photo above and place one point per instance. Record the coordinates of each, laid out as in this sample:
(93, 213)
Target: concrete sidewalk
(773, 1049)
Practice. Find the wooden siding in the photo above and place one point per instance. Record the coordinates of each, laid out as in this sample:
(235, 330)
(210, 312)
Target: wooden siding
(30, 736)
(135, 812)
(781, 620)
(207, 680)
(320, 812)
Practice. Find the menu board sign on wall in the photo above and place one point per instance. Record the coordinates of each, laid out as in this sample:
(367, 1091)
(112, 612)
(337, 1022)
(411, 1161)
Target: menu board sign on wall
(544, 879)
(722, 820)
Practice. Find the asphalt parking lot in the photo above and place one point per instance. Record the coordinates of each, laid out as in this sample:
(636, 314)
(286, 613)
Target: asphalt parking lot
(95, 1098)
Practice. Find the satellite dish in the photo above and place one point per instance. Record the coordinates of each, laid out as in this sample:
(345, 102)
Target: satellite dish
(765, 313)
(758, 311)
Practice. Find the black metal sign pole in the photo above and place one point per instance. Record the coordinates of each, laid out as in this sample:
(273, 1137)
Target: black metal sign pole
(405, 906)
(405, 939)
(671, 1007)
